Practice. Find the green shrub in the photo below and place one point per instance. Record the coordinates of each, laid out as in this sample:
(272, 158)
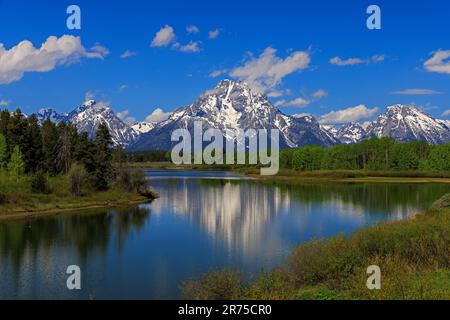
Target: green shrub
(135, 181)
(79, 180)
(442, 203)
(223, 285)
(39, 183)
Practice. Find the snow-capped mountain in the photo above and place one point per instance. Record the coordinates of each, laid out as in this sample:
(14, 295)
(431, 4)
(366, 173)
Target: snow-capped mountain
(407, 123)
(401, 122)
(90, 115)
(232, 105)
(143, 127)
(351, 133)
(49, 113)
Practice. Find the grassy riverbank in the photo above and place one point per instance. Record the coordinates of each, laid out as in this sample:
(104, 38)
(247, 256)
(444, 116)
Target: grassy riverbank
(413, 255)
(17, 199)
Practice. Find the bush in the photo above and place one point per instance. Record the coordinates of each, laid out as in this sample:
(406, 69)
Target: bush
(223, 285)
(79, 180)
(39, 183)
(135, 181)
(442, 203)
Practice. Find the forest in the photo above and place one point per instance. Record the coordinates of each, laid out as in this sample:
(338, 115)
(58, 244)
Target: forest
(45, 158)
(372, 154)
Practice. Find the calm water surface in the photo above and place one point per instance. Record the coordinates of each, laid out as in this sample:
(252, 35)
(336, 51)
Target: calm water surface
(203, 221)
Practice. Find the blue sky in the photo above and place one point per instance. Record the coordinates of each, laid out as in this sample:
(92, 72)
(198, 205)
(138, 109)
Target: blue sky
(404, 62)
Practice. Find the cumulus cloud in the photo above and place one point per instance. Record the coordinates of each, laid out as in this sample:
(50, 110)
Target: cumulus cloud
(360, 112)
(416, 92)
(191, 47)
(298, 102)
(163, 37)
(125, 117)
(24, 57)
(439, 62)
(213, 34)
(192, 29)
(128, 54)
(268, 70)
(217, 73)
(158, 115)
(4, 103)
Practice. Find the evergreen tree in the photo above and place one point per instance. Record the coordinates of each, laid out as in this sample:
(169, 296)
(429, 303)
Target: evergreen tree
(49, 143)
(16, 166)
(3, 152)
(17, 127)
(64, 148)
(85, 152)
(33, 145)
(103, 157)
(4, 120)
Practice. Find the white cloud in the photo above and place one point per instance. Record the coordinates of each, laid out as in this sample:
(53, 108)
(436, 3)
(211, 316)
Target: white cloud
(337, 61)
(275, 94)
(348, 62)
(319, 94)
(4, 103)
(163, 37)
(90, 95)
(268, 70)
(158, 115)
(360, 112)
(100, 50)
(213, 34)
(378, 58)
(298, 102)
(128, 54)
(416, 92)
(439, 62)
(446, 113)
(191, 47)
(192, 29)
(125, 117)
(301, 115)
(24, 57)
(217, 73)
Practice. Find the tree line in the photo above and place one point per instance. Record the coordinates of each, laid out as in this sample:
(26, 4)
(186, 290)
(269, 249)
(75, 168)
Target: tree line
(28, 147)
(372, 154)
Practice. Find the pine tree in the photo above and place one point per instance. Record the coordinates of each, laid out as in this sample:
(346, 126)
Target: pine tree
(49, 143)
(16, 166)
(64, 148)
(103, 157)
(3, 152)
(17, 127)
(33, 145)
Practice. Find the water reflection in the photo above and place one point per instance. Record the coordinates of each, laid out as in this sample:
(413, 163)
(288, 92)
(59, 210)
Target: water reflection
(247, 216)
(196, 225)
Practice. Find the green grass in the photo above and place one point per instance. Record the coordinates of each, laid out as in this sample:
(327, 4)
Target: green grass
(17, 197)
(414, 257)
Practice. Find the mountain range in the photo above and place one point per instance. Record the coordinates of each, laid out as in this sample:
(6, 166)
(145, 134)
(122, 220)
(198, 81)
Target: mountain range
(234, 105)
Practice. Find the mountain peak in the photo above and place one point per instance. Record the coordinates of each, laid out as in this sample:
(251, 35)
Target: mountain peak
(407, 123)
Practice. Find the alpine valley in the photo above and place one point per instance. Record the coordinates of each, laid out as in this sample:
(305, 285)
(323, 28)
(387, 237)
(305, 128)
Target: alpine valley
(233, 105)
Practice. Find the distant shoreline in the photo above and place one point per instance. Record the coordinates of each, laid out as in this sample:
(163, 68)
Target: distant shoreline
(20, 215)
(292, 176)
